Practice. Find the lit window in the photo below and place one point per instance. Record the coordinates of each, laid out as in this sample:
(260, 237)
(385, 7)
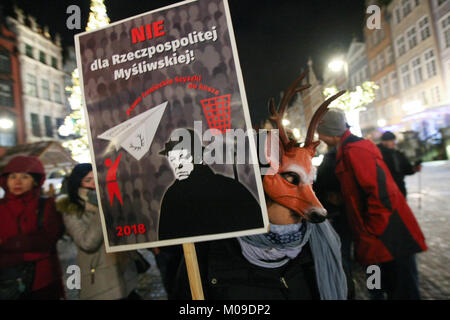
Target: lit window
(401, 46)
(6, 94)
(54, 63)
(45, 89)
(406, 7)
(406, 77)
(386, 89)
(31, 85)
(5, 62)
(29, 50)
(397, 15)
(445, 31)
(381, 61)
(394, 82)
(374, 66)
(56, 93)
(412, 37)
(417, 70)
(435, 95)
(390, 55)
(424, 28)
(48, 126)
(430, 63)
(35, 126)
(42, 57)
(424, 98)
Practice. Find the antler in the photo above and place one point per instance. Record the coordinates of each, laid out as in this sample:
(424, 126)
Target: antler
(277, 115)
(320, 112)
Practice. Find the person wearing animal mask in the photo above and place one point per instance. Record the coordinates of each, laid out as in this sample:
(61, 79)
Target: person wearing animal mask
(299, 258)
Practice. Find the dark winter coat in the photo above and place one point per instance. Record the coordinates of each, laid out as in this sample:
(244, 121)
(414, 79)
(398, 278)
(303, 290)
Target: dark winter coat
(398, 165)
(227, 275)
(20, 238)
(326, 182)
(383, 224)
(207, 203)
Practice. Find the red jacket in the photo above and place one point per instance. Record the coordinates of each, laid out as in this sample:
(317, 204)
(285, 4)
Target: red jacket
(20, 238)
(383, 224)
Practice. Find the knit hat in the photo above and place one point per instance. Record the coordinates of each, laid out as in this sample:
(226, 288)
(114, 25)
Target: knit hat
(333, 123)
(28, 164)
(388, 136)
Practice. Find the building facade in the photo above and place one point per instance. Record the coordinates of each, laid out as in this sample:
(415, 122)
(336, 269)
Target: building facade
(313, 97)
(418, 67)
(358, 73)
(386, 108)
(441, 18)
(11, 112)
(42, 78)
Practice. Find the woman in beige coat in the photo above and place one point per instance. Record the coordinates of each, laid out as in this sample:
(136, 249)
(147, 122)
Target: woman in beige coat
(104, 276)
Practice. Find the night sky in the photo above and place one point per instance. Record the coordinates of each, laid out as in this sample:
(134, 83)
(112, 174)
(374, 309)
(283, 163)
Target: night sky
(274, 37)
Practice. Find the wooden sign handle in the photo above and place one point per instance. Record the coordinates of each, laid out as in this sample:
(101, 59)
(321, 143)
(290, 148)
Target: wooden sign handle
(195, 282)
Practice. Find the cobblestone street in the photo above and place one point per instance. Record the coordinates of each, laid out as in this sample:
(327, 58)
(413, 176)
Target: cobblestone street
(429, 200)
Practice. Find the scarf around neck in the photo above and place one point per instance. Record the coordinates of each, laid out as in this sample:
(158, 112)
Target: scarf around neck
(325, 247)
(275, 248)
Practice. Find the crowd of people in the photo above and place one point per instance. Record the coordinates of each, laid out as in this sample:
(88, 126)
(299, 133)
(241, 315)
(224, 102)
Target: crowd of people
(360, 184)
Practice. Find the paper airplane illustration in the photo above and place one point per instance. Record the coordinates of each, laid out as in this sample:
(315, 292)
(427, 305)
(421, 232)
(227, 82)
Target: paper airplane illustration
(136, 134)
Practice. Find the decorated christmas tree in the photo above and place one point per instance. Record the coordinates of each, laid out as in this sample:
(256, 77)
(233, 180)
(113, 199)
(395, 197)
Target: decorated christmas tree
(352, 102)
(74, 126)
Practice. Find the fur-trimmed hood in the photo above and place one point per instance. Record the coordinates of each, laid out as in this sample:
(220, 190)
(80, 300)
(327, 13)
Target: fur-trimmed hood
(64, 205)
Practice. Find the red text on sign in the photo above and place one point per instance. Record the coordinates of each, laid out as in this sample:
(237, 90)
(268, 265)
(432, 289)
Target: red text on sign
(147, 32)
(128, 230)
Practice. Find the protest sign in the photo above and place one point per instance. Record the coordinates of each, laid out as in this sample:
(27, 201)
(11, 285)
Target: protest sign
(163, 97)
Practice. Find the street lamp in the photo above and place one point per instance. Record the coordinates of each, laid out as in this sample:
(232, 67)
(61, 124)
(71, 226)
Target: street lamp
(6, 123)
(285, 122)
(381, 122)
(336, 65)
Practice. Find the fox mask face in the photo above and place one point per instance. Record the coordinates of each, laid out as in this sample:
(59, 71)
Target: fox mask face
(289, 182)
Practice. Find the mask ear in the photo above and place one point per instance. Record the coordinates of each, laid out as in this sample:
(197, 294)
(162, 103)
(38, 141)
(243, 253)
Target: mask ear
(273, 150)
(312, 148)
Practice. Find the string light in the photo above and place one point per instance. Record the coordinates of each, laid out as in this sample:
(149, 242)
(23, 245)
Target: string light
(75, 125)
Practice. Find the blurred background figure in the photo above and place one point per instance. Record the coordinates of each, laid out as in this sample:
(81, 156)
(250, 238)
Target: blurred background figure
(396, 161)
(104, 276)
(29, 230)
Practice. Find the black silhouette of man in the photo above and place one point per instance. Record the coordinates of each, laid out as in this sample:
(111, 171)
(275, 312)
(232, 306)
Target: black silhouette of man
(200, 202)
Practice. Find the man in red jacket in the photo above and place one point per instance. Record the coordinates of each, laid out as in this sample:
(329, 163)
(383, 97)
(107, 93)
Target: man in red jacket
(385, 230)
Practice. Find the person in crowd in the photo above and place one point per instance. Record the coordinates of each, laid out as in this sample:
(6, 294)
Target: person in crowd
(396, 161)
(386, 232)
(30, 226)
(295, 260)
(299, 258)
(328, 191)
(168, 259)
(104, 276)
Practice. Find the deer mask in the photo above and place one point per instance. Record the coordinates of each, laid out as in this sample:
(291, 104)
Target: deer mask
(290, 182)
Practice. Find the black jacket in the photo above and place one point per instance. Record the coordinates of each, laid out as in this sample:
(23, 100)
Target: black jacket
(326, 183)
(398, 165)
(207, 203)
(227, 275)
